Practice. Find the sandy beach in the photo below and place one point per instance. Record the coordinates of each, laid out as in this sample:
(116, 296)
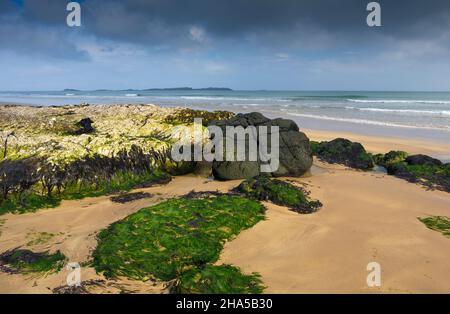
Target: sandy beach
(366, 217)
(199, 148)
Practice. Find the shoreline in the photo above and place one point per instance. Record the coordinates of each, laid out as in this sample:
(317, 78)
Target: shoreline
(375, 139)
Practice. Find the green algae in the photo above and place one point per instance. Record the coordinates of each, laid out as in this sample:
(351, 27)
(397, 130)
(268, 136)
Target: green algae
(177, 239)
(437, 223)
(222, 279)
(26, 261)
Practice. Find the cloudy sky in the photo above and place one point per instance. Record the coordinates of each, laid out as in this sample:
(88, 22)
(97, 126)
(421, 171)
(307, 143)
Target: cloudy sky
(242, 44)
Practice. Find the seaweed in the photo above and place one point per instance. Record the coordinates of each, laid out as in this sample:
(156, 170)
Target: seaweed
(179, 235)
(222, 279)
(437, 223)
(25, 261)
(279, 192)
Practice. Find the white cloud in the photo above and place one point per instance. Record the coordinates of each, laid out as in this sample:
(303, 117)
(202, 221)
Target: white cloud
(197, 34)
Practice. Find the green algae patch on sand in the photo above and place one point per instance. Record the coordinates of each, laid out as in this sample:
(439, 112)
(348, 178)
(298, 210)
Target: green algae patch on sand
(166, 240)
(222, 279)
(282, 193)
(437, 223)
(26, 261)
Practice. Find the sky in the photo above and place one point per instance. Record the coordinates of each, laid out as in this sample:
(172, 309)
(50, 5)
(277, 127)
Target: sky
(241, 44)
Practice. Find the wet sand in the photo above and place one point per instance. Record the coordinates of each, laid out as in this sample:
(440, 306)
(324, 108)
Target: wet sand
(366, 217)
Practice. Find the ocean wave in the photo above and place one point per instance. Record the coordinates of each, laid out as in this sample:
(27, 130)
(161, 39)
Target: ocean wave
(222, 98)
(432, 112)
(218, 98)
(369, 122)
(400, 101)
(325, 97)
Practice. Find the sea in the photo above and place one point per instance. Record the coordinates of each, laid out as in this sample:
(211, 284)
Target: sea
(423, 115)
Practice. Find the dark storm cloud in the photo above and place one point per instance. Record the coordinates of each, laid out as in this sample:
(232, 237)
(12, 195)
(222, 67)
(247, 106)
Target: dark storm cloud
(168, 23)
(34, 28)
(135, 18)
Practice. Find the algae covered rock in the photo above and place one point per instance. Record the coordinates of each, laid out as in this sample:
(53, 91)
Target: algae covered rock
(57, 153)
(84, 126)
(187, 116)
(295, 156)
(422, 160)
(422, 169)
(346, 152)
(279, 192)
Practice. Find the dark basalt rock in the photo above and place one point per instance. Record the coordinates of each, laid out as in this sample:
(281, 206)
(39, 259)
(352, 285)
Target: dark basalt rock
(343, 151)
(422, 169)
(422, 160)
(85, 127)
(130, 197)
(295, 154)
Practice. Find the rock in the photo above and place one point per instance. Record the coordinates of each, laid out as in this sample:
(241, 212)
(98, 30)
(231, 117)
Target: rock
(343, 151)
(390, 158)
(85, 126)
(295, 154)
(422, 160)
(203, 169)
(234, 170)
(263, 188)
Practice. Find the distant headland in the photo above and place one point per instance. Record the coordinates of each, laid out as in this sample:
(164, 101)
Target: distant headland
(160, 89)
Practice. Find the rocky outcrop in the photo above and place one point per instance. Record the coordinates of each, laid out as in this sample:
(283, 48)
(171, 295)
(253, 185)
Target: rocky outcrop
(295, 156)
(421, 169)
(343, 151)
(390, 158)
(422, 160)
(282, 193)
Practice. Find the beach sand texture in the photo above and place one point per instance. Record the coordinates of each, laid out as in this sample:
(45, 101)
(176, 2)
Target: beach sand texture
(366, 217)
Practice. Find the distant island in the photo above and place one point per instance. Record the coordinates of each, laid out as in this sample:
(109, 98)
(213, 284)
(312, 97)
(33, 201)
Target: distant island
(159, 89)
(190, 89)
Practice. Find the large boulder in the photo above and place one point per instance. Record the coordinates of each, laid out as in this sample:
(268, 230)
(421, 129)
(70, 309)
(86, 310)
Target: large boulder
(295, 156)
